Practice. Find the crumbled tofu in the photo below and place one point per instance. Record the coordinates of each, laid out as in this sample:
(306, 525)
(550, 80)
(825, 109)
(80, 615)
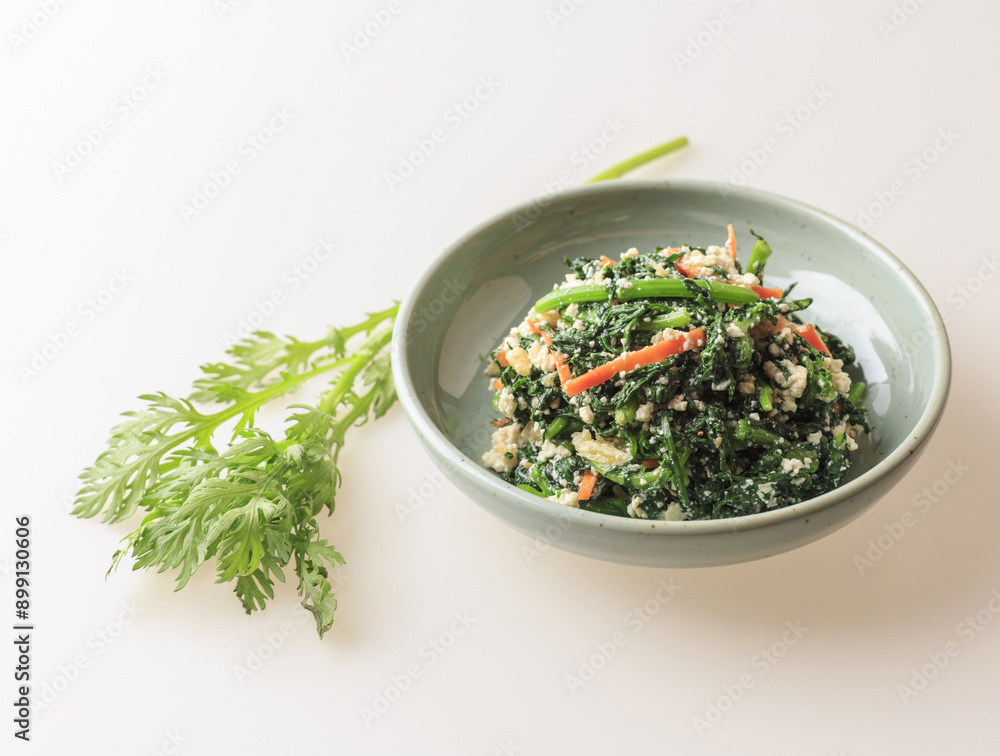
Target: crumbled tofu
(702, 264)
(503, 456)
(635, 507)
(550, 450)
(632, 252)
(813, 438)
(747, 384)
(665, 335)
(673, 513)
(492, 369)
(549, 380)
(573, 310)
(531, 434)
(678, 403)
(793, 385)
(601, 450)
(734, 331)
(541, 357)
(506, 403)
(519, 360)
(569, 498)
(587, 414)
(841, 380)
(765, 492)
(645, 412)
(791, 465)
(551, 317)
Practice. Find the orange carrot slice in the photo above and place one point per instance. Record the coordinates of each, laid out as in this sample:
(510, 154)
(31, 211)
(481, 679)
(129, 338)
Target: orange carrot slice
(638, 358)
(561, 367)
(731, 243)
(810, 334)
(587, 482)
(765, 293)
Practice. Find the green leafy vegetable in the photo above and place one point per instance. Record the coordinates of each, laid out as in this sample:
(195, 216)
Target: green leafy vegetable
(251, 507)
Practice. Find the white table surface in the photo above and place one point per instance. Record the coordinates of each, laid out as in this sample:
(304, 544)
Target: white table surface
(848, 94)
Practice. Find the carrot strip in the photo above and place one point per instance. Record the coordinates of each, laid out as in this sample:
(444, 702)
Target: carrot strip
(565, 376)
(606, 261)
(810, 334)
(500, 423)
(765, 293)
(497, 384)
(731, 244)
(533, 325)
(683, 269)
(632, 360)
(502, 358)
(561, 367)
(587, 482)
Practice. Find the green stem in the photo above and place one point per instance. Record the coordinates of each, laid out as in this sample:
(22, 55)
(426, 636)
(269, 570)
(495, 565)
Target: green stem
(663, 287)
(632, 163)
(359, 361)
(758, 257)
(673, 320)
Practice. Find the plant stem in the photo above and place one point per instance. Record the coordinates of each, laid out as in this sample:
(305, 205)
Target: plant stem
(617, 171)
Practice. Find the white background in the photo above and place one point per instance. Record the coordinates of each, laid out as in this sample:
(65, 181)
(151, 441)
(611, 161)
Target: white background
(128, 666)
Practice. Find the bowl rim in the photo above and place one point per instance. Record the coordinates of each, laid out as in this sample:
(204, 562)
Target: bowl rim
(478, 475)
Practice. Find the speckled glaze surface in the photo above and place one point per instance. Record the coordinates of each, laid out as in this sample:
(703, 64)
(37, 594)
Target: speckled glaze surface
(472, 294)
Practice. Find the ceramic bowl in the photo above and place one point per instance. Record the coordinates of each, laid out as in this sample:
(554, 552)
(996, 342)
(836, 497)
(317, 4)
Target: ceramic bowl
(485, 282)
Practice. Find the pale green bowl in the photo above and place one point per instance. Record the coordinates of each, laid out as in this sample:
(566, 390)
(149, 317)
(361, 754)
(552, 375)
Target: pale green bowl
(484, 283)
